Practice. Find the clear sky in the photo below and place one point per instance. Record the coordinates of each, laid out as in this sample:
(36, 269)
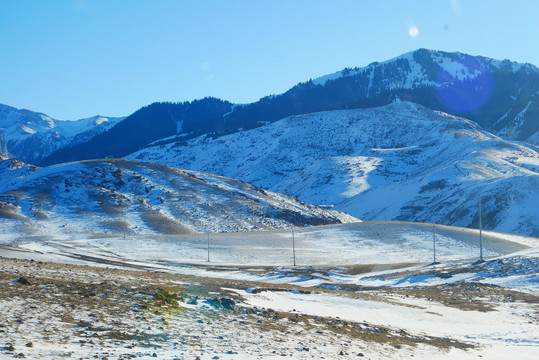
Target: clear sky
(78, 58)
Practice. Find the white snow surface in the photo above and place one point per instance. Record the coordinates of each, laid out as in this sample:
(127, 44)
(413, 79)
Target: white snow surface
(505, 332)
(465, 324)
(341, 244)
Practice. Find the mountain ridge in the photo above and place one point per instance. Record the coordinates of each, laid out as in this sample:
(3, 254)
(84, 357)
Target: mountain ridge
(31, 136)
(502, 96)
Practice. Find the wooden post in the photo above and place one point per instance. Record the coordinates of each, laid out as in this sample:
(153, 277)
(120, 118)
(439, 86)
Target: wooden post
(480, 232)
(293, 247)
(434, 243)
(125, 225)
(208, 247)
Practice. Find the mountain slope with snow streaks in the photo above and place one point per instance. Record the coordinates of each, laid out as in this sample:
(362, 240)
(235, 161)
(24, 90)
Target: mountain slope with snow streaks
(400, 161)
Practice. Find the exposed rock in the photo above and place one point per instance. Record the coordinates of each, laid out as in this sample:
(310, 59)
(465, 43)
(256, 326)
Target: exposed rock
(24, 281)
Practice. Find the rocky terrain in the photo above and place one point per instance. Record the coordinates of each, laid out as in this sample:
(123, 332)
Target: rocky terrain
(54, 311)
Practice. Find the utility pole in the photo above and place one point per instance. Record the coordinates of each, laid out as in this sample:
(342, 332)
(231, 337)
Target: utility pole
(434, 244)
(125, 225)
(480, 232)
(293, 247)
(208, 247)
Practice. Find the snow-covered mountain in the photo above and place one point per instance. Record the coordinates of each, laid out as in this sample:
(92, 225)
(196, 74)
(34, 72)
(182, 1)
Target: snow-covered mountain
(32, 136)
(501, 96)
(342, 157)
(397, 162)
(122, 196)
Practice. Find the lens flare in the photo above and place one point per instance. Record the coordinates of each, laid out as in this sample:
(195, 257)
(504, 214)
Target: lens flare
(413, 31)
(464, 85)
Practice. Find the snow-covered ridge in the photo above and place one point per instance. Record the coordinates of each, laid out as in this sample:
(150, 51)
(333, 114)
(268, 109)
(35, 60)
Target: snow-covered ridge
(31, 136)
(397, 162)
(452, 63)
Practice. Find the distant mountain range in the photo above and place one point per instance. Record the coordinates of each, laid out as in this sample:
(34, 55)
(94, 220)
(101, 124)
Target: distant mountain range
(118, 197)
(32, 136)
(396, 162)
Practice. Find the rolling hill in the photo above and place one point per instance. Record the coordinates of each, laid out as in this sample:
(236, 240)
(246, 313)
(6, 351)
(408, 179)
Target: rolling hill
(115, 197)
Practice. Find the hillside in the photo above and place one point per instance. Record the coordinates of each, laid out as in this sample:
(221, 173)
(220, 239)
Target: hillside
(397, 162)
(501, 96)
(121, 197)
(12, 169)
(373, 243)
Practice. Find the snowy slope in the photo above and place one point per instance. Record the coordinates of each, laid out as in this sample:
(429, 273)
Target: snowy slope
(31, 136)
(396, 162)
(11, 171)
(128, 197)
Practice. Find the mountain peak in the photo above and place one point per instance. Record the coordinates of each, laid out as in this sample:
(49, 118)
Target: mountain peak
(428, 58)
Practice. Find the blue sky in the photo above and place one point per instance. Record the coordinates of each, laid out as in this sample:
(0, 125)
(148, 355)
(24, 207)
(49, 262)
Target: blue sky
(74, 59)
